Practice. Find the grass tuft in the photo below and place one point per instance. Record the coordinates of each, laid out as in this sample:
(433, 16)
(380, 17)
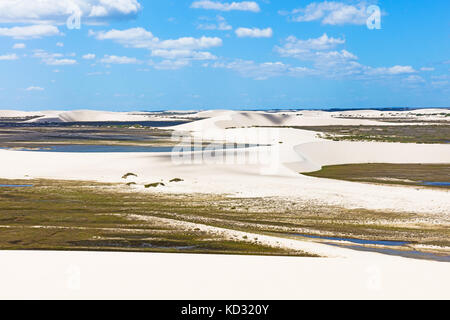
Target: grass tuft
(154, 185)
(126, 176)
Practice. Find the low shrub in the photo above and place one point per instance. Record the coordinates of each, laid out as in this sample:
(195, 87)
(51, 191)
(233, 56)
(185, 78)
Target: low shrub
(154, 185)
(129, 175)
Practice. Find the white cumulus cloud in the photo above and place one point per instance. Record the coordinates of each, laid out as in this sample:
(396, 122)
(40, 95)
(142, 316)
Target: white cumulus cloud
(8, 57)
(107, 59)
(61, 62)
(264, 70)
(58, 11)
(89, 56)
(183, 54)
(181, 50)
(332, 13)
(324, 59)
(306, 49)
(141, 38)
(33, 88)
(226, 6)
(171, 64)
(19, 46)
(254, 33)
(53, 59)
(30, 32)
(395, 70)
(220, 24)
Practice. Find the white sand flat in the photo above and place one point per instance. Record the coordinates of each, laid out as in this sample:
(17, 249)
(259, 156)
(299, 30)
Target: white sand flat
(96, 275)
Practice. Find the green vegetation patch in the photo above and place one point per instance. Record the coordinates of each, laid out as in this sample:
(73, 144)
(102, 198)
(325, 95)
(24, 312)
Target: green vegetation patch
(154, 185)
(126, 176)
(71, 215)
(403, 174)
(429, 134)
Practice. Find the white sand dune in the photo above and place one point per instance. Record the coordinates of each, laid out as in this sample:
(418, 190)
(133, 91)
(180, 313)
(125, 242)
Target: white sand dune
(296, 151)
(19, 114)
(47, 118)
(210, 113)
(302, 150)
(87, 116)
(90, 116)
(326, 153)
(424, 114)
(429, 114)
(234, 119)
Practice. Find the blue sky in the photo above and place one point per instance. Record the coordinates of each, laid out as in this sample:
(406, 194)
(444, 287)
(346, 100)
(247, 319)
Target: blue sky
(188, 54)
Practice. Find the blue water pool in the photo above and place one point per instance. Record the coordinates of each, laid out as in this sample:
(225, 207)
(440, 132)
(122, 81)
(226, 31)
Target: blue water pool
(407, 253)
(83, 148)
(79, 148)
(357, 241)
(436, 184)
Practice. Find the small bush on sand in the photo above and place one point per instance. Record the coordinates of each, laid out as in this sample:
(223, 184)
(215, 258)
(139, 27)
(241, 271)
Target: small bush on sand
(154, 185)
(129, 175)
(176, 180)
(131, 184)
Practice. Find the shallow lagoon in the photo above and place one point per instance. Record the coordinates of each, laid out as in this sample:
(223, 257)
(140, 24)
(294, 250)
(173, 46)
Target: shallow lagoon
(88, 148)
(436, 184)
(402, 253)
(361, 245)
(357, 241)
(80, 148)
